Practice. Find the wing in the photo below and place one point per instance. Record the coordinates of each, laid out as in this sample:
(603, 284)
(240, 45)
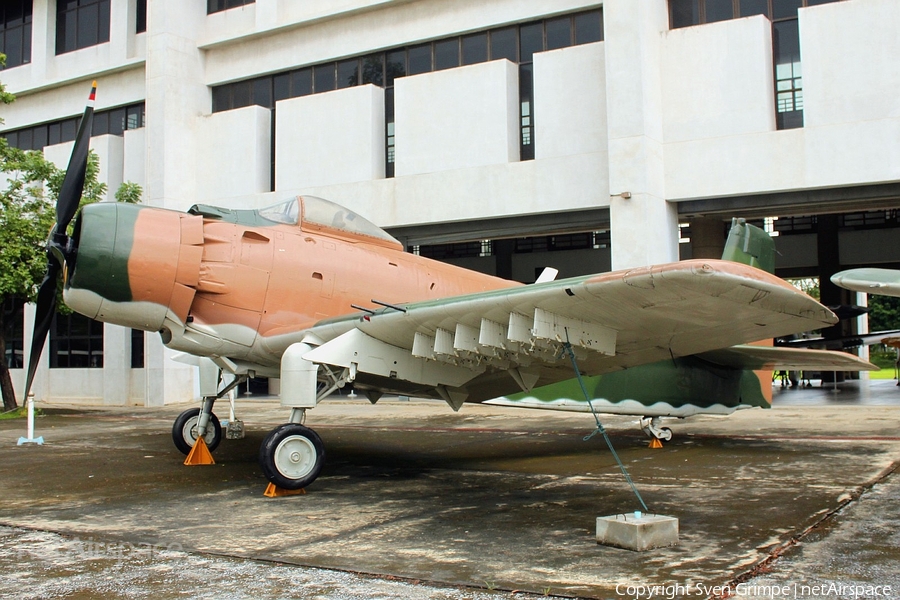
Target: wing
(770, 358)
(885, 282)
(485, 345)
(842, 343)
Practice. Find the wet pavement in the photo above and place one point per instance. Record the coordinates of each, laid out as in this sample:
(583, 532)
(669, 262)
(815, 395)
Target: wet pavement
(419, 502)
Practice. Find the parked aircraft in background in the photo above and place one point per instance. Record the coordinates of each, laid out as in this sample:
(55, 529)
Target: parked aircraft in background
(883, 282)
(313, 293)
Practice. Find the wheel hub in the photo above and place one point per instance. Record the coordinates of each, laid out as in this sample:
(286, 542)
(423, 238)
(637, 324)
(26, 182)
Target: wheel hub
(295, 457)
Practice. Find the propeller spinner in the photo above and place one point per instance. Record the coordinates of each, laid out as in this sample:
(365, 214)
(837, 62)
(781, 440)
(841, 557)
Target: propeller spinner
(60, 249)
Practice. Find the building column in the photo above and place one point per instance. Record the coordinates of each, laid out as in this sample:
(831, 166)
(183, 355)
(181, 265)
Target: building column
(176, 101)
(116, 364)
(644, 226)
(829, 263)
(707, 237)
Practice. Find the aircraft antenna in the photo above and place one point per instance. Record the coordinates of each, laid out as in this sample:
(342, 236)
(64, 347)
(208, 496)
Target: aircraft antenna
(600, 428)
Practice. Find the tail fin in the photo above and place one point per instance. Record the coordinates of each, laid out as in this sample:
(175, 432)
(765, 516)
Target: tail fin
(750, 245)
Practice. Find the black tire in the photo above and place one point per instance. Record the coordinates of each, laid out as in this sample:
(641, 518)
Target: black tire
(184, 431)
(292, 456)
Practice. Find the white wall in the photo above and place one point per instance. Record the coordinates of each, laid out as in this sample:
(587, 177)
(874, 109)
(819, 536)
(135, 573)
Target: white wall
(457, 118)
(331, 138)
(233, 153)
(717, 80)
(570, 102)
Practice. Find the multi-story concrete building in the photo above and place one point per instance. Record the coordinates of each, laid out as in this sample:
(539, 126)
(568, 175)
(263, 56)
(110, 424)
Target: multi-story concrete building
(504, 135)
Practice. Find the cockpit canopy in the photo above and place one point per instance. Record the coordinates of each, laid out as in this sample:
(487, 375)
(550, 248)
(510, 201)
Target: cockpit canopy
(318, 214)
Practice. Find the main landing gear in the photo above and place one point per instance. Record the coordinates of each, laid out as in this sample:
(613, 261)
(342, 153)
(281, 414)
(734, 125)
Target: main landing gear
(291, 456)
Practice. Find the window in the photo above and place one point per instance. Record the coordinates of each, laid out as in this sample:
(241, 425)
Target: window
(15, 32)
(516, 44)
(785, 42)
(13, 331)
(214, 6)
(76, 342)
(113, 121)
(140, 25)
(80, 24)
(137, 349)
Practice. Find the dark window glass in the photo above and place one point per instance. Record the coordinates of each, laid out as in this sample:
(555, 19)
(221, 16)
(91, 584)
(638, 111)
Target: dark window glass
(719, 10)
(685, 12)
(754, 7)
(589, 27)
(817, 2)
(135, 118)
(446, 54)
(12, 47)
(240, 94)
(117, 121)
(14, 332)
(531, 40)
(81, 24)
(40, 137)
(395, 63)
(221, 98)
(526, 116)
(262, 92)
(419, 59)
(788, 77)
(373, 69)
(12, 138)
(137, 349)
(389, 132)
(54, 134)
(100, 126)
(474, 49)
(504, 44)
(26, 139)
(301, 82)
(348, 73)
(281, 86)
(784, 9)
(76, 342)
(559, 33)
(214, 6)
(141, 17)
(69, 129)
(324, 78)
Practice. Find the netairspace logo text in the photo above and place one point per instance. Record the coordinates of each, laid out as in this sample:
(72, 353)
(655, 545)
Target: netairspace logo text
(762, 592)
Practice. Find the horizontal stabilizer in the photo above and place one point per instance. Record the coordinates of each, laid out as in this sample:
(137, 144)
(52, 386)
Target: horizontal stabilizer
(769, 358)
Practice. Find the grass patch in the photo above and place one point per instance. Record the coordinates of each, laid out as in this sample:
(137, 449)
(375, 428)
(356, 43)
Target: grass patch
(882, 374)
(19, 413)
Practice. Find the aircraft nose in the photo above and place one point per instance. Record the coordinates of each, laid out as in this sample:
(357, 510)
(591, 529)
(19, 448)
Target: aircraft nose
(134, 266)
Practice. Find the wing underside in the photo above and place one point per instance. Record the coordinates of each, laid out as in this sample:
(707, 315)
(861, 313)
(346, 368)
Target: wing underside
(769, 358)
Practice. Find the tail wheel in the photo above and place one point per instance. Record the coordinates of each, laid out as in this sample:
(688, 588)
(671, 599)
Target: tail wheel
(184, 431)
(292, 456)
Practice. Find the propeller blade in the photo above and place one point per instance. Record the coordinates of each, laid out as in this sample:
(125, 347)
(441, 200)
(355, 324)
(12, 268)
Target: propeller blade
(46, 307)
(70, 192)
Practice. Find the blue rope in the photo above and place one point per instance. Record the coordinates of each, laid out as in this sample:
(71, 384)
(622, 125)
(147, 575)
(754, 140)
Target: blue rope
(600, 428)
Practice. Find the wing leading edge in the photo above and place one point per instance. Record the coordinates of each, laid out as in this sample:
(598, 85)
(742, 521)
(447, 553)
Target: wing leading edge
(485, 345)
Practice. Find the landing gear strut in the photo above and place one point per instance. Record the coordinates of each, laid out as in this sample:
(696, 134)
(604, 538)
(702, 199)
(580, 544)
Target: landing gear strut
(651, 427)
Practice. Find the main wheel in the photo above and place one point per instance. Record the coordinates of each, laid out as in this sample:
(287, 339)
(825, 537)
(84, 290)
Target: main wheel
(184, 431)
(292, 456)
(665, 434)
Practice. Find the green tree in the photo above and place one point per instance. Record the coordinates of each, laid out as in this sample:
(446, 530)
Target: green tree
(884, 313)
(29, 185)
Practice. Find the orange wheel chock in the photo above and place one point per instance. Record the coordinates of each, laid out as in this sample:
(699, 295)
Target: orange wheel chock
(273, 491)
(655, 443)
(199, 454)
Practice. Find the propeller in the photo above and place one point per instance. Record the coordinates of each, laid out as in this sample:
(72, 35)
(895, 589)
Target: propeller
(60, 248)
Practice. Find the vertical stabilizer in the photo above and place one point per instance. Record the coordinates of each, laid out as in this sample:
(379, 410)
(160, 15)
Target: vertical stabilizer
(750, 245)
